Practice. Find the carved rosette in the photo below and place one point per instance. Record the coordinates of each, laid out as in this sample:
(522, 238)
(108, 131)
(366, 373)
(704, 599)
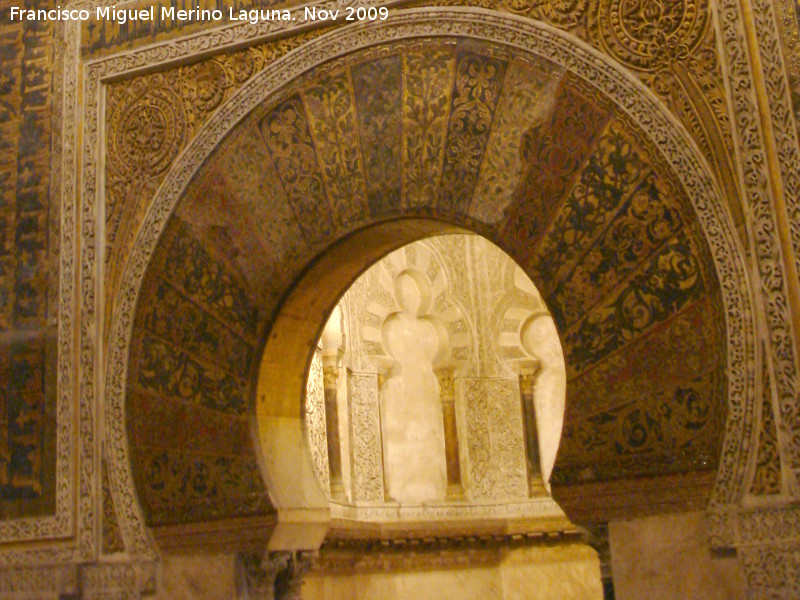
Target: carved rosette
(647, 34)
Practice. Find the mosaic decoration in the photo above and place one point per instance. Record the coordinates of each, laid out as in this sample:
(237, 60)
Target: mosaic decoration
(197, 348)
(707, 56)
(649, 277)
(779, 22)
(377, 91)
(28, 273)
(594, 217)
(671, 47)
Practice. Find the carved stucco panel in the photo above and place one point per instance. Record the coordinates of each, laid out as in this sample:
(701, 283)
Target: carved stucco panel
(365, 437)
(494, 439)
(771, 571)
(315, 422)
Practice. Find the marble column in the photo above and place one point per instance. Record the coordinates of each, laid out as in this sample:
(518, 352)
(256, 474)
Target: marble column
(330, 375)
(447, 396)
(528, 370)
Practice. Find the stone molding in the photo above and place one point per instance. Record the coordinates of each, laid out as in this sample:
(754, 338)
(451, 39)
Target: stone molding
(787, 153)
(543, 507)
(773, 311)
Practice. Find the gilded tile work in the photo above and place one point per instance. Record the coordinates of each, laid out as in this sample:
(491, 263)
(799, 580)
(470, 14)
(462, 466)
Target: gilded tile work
(28, 272)
(593, 215)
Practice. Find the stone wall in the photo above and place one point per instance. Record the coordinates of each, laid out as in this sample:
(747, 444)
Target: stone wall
(569, 572)
(669, 557)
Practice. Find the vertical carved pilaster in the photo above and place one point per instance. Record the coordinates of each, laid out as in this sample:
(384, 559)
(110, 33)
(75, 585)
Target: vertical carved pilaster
(528, 371)
(330, 377)
(255, 575)
(447, 396)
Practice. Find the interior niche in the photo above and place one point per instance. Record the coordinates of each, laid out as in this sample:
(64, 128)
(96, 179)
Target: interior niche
(437, 389)
(412, 422)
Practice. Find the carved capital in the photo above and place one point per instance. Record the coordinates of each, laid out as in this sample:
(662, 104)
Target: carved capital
(257, 574)
(289, 581)
(330, 375)
(447, 390)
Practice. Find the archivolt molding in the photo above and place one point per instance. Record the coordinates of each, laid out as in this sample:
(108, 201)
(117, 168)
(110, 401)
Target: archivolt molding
(136, 537)
(216, 40)
(63, 194)
(784, 130)
(754, 171)
(630, 94)
(776, 75)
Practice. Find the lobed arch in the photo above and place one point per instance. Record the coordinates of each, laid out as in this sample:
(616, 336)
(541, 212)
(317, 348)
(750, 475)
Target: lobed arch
(287, 310)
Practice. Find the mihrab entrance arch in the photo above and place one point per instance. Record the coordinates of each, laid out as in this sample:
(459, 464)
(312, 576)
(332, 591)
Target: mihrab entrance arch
(371, 138)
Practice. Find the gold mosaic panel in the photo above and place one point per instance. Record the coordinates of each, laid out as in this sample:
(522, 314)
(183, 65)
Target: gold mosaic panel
(29, 233)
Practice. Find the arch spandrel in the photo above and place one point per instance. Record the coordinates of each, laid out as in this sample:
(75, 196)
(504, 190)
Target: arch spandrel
(307, 152)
